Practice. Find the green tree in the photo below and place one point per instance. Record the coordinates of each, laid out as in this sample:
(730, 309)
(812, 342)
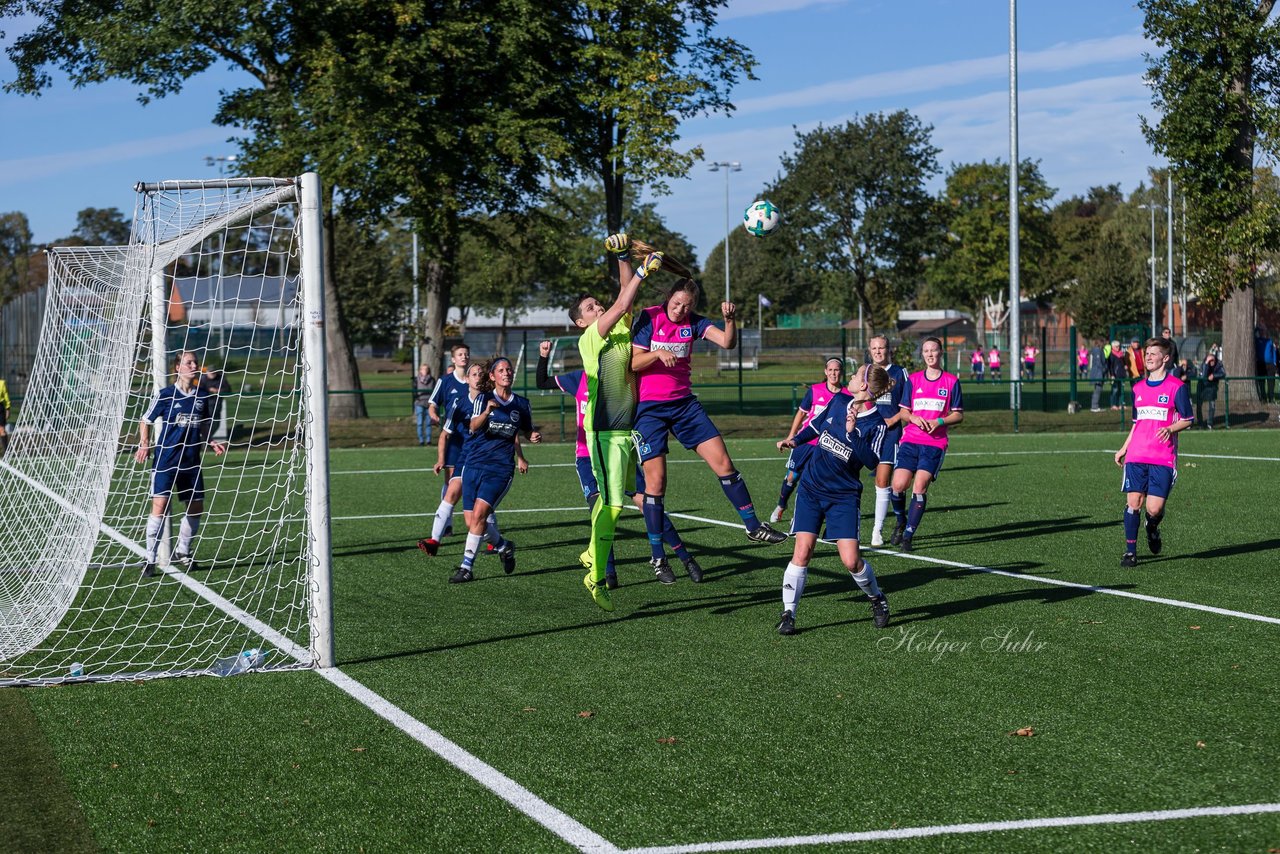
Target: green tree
(1104, 290)
(374, 265)
(855, 199)
(631, 73)
(1077, 224)
(771, 267)
(973, 261)
(102, 227)
(15, 255)
(1216, 85)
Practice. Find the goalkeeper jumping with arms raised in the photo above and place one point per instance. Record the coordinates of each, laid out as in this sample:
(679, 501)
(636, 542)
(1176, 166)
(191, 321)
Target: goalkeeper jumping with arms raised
(605, 346)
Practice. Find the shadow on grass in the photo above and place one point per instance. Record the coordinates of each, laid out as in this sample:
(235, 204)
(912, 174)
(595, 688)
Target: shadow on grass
(1021, 528)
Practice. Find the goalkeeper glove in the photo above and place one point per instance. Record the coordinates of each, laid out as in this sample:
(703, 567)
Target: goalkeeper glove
(650, 264)
(618, 244)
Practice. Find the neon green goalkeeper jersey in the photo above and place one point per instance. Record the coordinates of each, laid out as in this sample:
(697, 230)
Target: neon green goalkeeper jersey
(611, 385)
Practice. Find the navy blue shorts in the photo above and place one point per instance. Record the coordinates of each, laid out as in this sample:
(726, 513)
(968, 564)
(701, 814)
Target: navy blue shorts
(186, 481)
(889, 447)
(483, 484)
(1149, 478)
(841, 515)
(684, 418)
(586, 478)
(453, 450)
(798, 459)
(913, 457)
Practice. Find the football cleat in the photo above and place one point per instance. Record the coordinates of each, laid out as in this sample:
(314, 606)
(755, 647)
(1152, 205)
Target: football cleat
(877, 539)
(585, 559)
(695, 571)
(776, 515)
(462, 576)
(149, 570)
(898, 530)
(599, 592)
(765, 534)
(508, 556)
(906, 546)
(1153, 539)
(662, 569)
(181, 559)
(880, 611)
(787, 626)
(430, 545)
(1129, 559)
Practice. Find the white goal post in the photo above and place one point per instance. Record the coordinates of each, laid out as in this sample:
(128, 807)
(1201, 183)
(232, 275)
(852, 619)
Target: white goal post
(99, 579)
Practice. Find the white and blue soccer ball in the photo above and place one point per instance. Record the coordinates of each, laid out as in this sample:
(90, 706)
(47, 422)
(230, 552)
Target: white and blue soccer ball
(761, 218)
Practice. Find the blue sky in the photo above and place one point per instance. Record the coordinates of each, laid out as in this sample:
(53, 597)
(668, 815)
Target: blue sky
(820, 62)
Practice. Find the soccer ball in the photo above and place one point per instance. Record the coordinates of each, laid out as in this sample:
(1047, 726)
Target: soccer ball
(761, 218)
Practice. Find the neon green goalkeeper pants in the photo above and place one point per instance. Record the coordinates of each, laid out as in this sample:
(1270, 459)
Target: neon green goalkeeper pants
(613, 462)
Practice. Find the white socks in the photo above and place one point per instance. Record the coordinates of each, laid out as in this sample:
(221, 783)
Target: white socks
(155, 524)
(866, 579)
(187, 532)
(882, 506)
(793, 586)
(443, 514)
(491, 532)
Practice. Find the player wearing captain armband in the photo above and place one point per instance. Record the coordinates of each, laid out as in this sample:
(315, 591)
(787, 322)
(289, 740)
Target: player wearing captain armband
(605, 345)
(888, 404)
(498, 417)
(1149, 456)
(574, 383)
(662, 344)
(815, 400)
(848, 432)
(185, 413)
(931, 403)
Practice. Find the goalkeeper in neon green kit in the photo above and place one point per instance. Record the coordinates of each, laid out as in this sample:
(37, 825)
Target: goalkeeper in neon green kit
(605, 346)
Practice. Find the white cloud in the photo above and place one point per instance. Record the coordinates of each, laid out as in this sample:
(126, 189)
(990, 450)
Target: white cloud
(22, 170)
(928, 78)
(752, 8)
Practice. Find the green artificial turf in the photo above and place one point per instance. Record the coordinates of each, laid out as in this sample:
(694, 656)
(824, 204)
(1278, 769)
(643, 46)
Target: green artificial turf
(682, 717)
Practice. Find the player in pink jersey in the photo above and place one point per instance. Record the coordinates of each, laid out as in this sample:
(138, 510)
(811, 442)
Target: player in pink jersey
(932, 403)
(662, 346)
(1149, 456)
(815, 400)
(574, 383)
(993, 362)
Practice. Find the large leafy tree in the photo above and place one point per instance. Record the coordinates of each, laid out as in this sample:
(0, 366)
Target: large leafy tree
(1216, 85)
(855, 198)
(973, 261)
(631, 73)
(15, 255)
(1104, 290)
(1077, 223)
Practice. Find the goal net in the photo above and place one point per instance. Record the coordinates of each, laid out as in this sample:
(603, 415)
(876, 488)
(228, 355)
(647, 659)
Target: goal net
(91, 586)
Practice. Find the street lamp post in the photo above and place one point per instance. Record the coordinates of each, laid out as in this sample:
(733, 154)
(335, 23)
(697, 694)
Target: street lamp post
(729, 166)
(1153, 207)
(1169, 264)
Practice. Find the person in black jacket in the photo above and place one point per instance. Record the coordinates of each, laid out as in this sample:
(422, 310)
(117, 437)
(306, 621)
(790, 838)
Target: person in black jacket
(1117, 370)
(1211, 376)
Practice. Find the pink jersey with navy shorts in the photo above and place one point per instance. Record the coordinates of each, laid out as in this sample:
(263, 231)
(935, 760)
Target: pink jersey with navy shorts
(930, 400)
(819, 395)
(654, 330)
(1156, 407)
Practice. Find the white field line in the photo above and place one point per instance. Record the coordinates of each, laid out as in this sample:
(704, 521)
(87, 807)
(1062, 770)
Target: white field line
(782, 458)
(1142, 597)
(975, 827)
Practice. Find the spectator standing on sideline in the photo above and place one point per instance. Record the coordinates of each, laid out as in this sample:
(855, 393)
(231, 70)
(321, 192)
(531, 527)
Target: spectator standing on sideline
(1211, 376)
(1175, 361)
(1116, 369)
(423, 384)
(1265, 349)
(1095, 368)
(1134, 359)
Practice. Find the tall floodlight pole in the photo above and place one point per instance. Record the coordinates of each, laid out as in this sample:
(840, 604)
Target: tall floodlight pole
(417, 319)
(1015, 290)
(1168, 312)
(728, 166)
(1154, 317)
(1183, 243)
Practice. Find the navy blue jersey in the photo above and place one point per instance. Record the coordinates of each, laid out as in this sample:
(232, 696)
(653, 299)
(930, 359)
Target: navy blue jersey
(888, 402)
(494, 444)
(838, 457)
(456, 423)
(447, 390)
(185, 417)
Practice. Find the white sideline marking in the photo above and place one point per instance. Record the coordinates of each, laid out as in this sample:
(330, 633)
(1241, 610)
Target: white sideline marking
(974, 827)
(558, 822)
(1226, 612)
(427, 514)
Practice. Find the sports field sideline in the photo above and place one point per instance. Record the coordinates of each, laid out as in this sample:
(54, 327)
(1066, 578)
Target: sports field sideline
(511, 714)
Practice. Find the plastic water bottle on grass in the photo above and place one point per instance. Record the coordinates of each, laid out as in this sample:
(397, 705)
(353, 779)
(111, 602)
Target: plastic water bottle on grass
(250, 659)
